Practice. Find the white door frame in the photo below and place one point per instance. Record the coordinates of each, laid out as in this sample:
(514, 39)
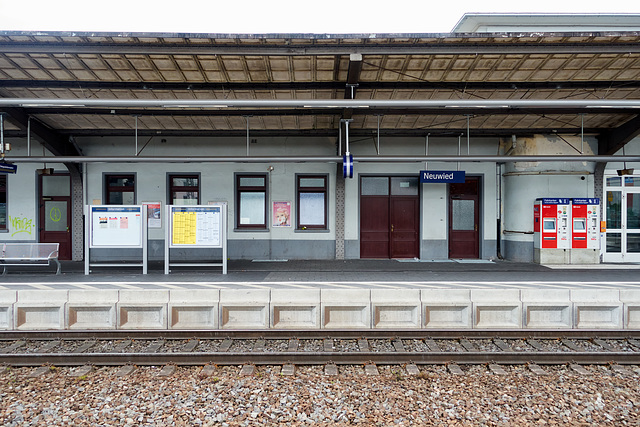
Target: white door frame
(622, 255)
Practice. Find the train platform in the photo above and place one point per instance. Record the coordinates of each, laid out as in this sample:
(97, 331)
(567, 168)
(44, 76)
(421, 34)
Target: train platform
(343, 294)
(327, 274)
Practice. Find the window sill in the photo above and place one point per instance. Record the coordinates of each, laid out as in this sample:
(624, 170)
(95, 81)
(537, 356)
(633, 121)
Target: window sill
(251, 230)
(311, 230)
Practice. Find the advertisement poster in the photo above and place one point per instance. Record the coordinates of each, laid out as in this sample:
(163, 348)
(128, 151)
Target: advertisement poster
(282, 214)
(154, 219)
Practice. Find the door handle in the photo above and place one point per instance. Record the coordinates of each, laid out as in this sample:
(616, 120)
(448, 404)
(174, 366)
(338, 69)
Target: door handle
(475, 227)
(392, 228)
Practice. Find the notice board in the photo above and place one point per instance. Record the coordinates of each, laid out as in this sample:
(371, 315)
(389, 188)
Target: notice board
(199, 225)
(116, 226)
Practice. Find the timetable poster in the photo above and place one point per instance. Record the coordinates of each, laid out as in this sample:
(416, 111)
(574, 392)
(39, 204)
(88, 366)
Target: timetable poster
(196, 226)
(116, 226)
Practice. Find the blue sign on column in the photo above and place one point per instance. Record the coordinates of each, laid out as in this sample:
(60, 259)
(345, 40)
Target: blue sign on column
(450, 177)
(347, 166)
(8, 167)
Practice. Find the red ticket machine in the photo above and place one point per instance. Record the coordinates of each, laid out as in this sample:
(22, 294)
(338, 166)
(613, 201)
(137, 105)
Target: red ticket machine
(552, 230)
(585, 235)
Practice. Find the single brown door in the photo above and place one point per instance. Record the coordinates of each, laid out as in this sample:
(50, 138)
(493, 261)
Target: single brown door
(464, 236)
(55, 212)
(389, 217)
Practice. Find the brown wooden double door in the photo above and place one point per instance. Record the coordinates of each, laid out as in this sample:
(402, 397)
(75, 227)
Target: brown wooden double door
(389, 217)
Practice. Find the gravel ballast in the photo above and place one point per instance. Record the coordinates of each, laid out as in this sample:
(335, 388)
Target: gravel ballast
(434, 397)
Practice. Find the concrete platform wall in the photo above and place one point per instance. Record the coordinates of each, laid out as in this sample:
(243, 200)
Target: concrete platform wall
(320, 309)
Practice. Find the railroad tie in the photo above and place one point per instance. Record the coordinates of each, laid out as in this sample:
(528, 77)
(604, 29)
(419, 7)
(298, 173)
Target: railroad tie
(602, 343)
(412, 369)
(208, 370)
(570, 344)
(288, 370)
(86, 346)
(50, 346)
(226, 345)
(167, 371)
(191, 345)
(371, 369)
(467, 345)
(497, 369)
(122, 345)
(259, 345)
(154, 346)
(398, 346)
(331, 369)
(125, 370)
(81, 371)
(502, 345)
(13, 347)
(454, 369)
(363, 344)
(580, 369)
(535, 344)
(433, 346)
(536, 369)
(293, 344)
(247, 370)
(40, 371)
(328, 344)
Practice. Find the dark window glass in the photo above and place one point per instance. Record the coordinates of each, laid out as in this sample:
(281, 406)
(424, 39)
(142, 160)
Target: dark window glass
(184, 189)
(120, 189)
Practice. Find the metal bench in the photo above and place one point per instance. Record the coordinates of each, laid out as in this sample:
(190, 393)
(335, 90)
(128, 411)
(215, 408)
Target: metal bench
(36, 254)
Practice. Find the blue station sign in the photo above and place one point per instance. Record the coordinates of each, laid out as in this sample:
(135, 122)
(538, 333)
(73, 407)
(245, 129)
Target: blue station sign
(449, 177)
(553, 201)
(347, 166)
(587, 201)
(8, 168)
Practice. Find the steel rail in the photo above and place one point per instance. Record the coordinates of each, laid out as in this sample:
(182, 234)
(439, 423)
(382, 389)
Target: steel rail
(320, 358)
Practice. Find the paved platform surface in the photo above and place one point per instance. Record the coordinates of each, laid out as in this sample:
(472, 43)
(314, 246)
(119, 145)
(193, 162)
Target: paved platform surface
(332, 274)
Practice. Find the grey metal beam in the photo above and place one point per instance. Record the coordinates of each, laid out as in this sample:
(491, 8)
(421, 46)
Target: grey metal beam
(589, 105)
(613, 140)
(360, 133)
(440, 46)
(306, 111)
(322, 159)
(52, 140)
(328, 85)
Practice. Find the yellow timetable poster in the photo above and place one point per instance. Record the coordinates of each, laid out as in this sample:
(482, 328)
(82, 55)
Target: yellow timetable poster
(196, 225)
(184, 228)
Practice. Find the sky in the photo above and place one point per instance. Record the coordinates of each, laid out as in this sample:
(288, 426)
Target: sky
(277, 16)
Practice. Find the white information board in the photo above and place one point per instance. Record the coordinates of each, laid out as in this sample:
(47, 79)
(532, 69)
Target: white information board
(197, 225)
(116, 226)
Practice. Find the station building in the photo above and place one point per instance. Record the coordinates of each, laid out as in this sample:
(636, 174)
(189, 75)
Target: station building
(527, 107)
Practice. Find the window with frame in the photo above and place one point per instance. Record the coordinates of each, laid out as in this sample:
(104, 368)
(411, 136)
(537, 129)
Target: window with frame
(251, 201)
(184, 189)
(311, 194)
(3, 202)
(120, 189)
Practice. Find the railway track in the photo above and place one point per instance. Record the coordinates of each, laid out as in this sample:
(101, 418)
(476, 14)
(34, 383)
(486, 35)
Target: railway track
(348, 347)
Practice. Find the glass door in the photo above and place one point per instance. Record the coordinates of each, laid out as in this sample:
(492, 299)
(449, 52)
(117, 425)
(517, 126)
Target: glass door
(622, 216)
